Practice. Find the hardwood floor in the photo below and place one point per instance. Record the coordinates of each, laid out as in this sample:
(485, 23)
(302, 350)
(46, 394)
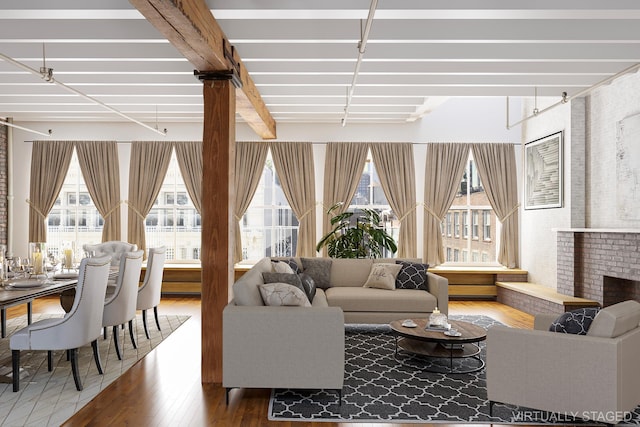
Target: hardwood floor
(164, 388)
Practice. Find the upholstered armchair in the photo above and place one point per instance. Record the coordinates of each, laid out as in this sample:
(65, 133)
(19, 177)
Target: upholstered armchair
(120, 307)
(593, 376)
(79, 327)
(150, 291)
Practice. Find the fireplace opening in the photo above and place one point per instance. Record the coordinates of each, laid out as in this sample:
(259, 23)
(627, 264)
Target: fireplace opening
(615, 290)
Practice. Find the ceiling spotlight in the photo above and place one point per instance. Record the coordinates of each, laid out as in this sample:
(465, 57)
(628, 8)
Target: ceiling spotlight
(564, 98)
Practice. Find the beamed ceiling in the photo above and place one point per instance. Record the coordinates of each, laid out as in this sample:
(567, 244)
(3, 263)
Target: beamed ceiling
(302, 55)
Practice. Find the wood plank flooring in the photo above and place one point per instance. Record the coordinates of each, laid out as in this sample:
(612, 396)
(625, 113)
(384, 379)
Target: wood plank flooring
(164, 389)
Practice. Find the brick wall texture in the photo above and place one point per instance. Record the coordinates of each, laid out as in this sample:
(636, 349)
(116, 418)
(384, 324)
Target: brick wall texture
(604, 267)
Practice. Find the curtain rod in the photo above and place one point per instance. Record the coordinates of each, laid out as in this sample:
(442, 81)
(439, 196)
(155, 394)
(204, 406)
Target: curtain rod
(312, 143)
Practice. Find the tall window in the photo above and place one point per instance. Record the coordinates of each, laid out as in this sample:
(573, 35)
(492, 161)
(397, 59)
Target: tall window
(74, 217)
(477, 216)
(369, 195)
(269, 227)
(173, 220)
(456, 224)
(448, 219)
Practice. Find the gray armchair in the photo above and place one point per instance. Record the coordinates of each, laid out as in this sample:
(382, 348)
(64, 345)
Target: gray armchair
(593, 376)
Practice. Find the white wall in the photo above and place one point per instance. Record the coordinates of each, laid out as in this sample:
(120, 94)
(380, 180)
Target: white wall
(457, 120)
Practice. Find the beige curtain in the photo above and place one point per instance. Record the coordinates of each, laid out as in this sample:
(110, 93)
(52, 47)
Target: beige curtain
(189, 155)
(249, 164)
(497, 167)
(99, 165)
(394, 163)
(147, 169)
(49, 165)
(344, 163)
(444, 169)
(294, 165)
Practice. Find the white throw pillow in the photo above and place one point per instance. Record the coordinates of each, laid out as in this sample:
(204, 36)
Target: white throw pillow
(281, 267)
(383, 276)
(279, 294)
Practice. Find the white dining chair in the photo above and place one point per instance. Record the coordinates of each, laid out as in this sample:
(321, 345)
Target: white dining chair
(80, 326)
(120, 306)
(149, 292)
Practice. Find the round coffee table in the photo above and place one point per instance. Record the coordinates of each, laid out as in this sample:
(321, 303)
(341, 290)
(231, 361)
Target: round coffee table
(435, 344)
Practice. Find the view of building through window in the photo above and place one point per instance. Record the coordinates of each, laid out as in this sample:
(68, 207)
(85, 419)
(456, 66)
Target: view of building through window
(469, 228)
(369, 195)
(173, 221)
(269, 227)
(74, 217)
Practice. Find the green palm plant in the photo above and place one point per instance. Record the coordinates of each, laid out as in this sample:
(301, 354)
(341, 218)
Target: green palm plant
(365, 239)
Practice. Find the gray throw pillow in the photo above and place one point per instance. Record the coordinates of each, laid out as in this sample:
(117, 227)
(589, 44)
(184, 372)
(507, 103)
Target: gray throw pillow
(319, 269)
(574, 322)
(291, 263)
(412, 275)
(288, 278)
(309, 286)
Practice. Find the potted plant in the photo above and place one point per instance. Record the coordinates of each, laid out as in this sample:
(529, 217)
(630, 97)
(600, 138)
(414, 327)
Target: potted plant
(364, 239)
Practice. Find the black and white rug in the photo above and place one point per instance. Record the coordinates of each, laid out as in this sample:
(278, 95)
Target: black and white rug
(379, 389)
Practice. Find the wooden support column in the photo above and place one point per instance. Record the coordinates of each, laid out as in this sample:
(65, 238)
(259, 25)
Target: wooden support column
(218, 158)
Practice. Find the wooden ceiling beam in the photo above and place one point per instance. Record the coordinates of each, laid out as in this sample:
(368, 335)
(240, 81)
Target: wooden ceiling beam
(191, 28)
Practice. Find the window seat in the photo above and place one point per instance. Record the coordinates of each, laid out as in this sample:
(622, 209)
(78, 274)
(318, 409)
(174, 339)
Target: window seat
(179, 278)
(536, 299)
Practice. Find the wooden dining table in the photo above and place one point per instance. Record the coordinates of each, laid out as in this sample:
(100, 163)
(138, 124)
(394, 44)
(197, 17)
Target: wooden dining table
(10, 296)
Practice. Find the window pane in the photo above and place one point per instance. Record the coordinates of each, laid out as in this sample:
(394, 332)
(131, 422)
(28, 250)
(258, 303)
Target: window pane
(173, 221)
(476, 219)
(269, 227)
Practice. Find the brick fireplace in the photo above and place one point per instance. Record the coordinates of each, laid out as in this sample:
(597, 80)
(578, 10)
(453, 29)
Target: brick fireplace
(599, 264)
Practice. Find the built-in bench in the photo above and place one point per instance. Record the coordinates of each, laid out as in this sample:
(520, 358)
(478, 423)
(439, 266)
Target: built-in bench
(477, 282)
(534, 299)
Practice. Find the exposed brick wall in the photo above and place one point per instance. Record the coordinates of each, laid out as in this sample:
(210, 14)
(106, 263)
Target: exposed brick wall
(4, 189)
(585, 258)
(527, 303)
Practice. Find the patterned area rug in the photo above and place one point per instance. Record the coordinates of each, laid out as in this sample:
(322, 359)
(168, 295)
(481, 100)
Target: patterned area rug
(49, 398)
(377, 388)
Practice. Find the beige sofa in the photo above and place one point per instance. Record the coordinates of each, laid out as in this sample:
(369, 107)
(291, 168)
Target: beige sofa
(303, 347)
(593, 376)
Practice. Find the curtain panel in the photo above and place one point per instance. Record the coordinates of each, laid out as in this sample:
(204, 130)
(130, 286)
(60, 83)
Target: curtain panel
(99, 165)
(395, 166)
(344, 163)
(249, 164)
(189, 156)
(147, 169)
(444, 168)
(497, 167)
(294, 165)
(49, 165)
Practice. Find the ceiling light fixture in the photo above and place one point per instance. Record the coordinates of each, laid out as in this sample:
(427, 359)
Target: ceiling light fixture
(362, 44)
(47, 74)
(9, 123)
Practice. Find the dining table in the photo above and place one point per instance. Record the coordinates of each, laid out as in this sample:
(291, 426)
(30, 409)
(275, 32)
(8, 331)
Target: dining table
(24, 291)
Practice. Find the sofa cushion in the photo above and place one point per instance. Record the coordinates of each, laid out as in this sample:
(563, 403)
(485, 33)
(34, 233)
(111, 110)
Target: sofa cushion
(350, 272)
(288, 278)
(383, 276)
(281, 267)
(283, 294)
(319, 269)
(308, 285)
(380, 300)
(615, 320)
(291, 262)
(412, 275)
(575, 321)
(245, 289)
(320, 300)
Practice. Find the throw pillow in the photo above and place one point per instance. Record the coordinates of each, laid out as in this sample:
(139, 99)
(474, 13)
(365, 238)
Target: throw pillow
(288, 278)
(319, 269)
(412, 275)
(383, 276)
(574, 322)
(281, 267)
(283, 294)
(309, 286)
(291, 263)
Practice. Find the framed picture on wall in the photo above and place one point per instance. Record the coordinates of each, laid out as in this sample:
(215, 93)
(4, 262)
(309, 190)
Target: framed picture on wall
(543, 172)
